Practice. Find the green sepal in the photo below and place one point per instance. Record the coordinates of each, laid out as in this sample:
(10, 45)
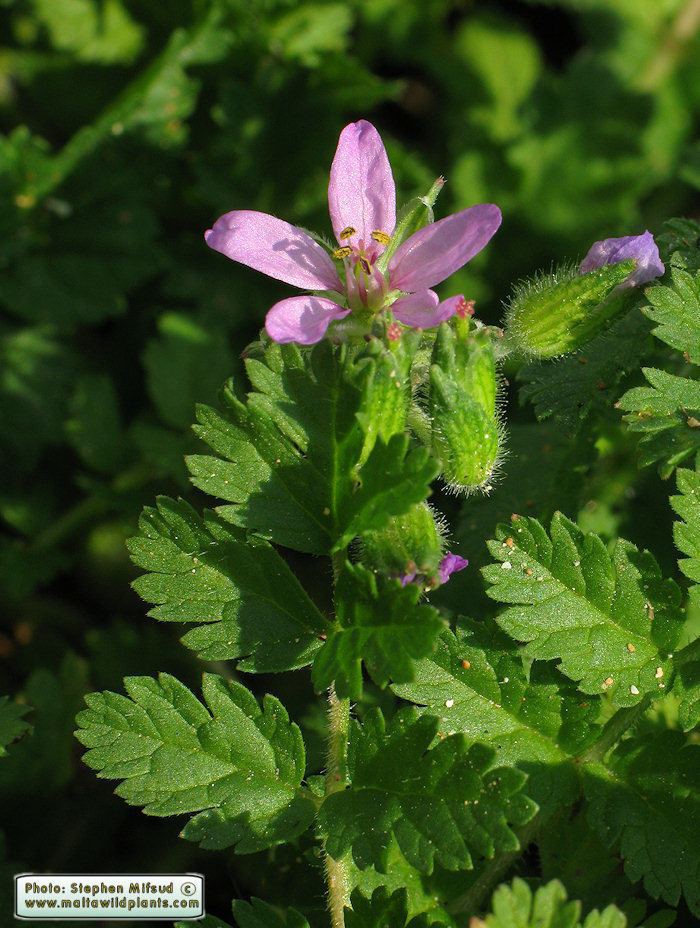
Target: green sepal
(560, 312)
(415, 214)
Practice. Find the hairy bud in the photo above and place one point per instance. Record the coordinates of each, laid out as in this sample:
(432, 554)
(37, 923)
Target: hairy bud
(560, 312)
(465, 430)
(408, 545)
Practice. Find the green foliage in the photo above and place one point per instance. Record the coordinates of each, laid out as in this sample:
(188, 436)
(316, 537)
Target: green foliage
(378, 624)
(475, 684)
(12, 722)
(125, 130)
(443, 805)
(250, 605)
(645, 801)
(292, 478)
(610, 619)
(516, 906)
(239, 767)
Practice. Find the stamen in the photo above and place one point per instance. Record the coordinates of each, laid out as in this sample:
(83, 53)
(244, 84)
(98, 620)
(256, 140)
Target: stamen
(342, 252)
(364, 264)
(347, 232)
(381, 237)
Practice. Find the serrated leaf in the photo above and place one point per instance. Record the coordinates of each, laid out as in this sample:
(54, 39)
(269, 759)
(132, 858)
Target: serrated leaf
(686, 534)
(258, 914)
(675, 309)
(609, 618)
(383, 910)
(517, 906)
(667, 415)
(646, 801)
(12, 722)
(287, 458)
(379, 624)
(475, 683)
(238, 766)
(209, 921)
(442, 804)
(247, 603)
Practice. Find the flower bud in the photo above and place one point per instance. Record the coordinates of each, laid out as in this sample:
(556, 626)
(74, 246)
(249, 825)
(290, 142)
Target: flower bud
(465, 429)
(560, 312)
(409, 546)
(387, 389)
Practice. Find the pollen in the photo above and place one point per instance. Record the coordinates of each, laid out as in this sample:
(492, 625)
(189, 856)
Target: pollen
(347, 232)
(466, 664)
(631, 648)
(381, 237)
(343, 252)
(607, 682)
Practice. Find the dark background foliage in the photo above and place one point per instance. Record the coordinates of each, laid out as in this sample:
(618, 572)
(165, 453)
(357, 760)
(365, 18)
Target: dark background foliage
(128, 127)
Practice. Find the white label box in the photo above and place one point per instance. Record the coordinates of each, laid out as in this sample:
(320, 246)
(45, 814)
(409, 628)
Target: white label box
(109, 896)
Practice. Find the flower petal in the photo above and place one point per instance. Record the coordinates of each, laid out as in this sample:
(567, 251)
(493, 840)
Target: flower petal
(451, 564)
(302, 319)
(436, 251)
(361, 192)
(642, 248)
(423, 310)
(275, 248)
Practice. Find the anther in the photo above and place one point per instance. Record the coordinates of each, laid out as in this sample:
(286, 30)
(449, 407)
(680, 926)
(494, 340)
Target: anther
(364, 263)
(347, 232)
(381, 237)
(343, 252)
(393, 333)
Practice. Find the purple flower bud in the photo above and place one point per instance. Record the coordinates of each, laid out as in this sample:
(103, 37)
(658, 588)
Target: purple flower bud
(451, 564)
(641, 248)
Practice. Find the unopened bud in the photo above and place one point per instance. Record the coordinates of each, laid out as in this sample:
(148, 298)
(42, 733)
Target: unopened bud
(387, 389)
(409, 546)
(562, 311)
(465, 429)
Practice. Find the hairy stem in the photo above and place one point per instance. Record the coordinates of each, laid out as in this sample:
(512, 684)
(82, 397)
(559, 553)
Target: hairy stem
(337, 876)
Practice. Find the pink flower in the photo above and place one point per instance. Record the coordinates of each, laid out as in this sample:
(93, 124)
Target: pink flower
(642, 248)
(362, 205)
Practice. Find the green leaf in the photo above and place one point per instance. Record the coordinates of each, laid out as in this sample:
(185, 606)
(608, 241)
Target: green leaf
(287, 458)
(209, 921)
(95, 427)
(247, 603)
(575, 387)
(12, 722)
(646, 802)
(442, 804)
(609, 618)
(516, 906)
(379, 624)
(238, 766)
(185, 365)
(676, 311)
(667, 415)
(475, 683)
(258, 914)
(311, 32)
(100, 32)
(381, 910)
(686, 533)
